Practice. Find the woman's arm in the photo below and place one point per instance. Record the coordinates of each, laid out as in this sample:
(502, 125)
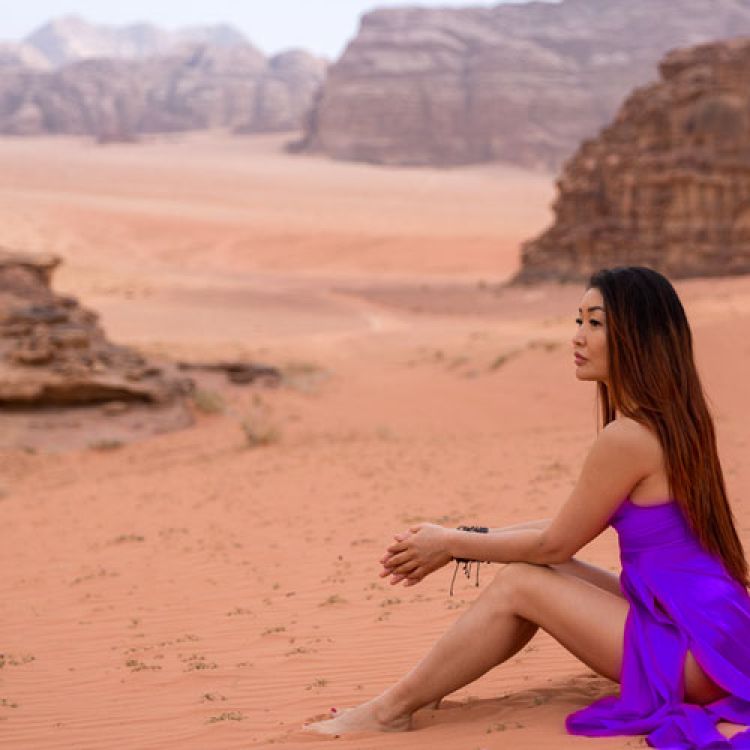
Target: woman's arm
(522, 541)
(618, 460)
(440, 561)
(540, 524)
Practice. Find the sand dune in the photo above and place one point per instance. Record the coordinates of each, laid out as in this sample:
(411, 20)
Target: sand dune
(190, 592)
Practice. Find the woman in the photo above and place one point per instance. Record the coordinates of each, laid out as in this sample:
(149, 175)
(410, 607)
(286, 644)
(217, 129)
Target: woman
(674, 627)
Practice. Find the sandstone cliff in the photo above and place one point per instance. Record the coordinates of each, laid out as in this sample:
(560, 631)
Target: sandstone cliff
(517, 82)
(667, 184)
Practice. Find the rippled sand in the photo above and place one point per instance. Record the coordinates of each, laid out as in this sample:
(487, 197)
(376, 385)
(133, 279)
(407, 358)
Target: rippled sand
(191, 592)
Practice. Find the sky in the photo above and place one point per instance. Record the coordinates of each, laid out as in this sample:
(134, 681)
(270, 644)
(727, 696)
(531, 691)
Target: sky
(323, 27)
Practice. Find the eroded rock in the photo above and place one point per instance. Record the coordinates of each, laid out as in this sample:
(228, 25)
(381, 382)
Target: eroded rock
(517, 82)
(667, 184)
(240, 373)
(54, 353)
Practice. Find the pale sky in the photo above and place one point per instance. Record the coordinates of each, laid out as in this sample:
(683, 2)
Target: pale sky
(323, 27)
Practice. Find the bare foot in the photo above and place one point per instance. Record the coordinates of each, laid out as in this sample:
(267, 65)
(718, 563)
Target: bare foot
(368, 717)
(431, 706)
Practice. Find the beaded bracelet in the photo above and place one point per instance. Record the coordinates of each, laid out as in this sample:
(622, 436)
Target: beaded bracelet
(465, 561)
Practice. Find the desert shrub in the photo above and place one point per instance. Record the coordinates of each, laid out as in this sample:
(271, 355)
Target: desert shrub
(206, 401)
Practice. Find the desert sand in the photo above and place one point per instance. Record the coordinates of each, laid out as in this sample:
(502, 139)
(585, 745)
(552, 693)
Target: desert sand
(190, 592)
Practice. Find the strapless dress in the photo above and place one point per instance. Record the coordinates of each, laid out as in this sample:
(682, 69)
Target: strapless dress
(681, 598)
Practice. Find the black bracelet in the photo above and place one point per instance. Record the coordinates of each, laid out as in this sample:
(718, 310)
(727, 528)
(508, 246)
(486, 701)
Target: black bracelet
(465, 561)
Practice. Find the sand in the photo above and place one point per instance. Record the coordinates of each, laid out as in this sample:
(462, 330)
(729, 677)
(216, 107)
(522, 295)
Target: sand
(191, 592)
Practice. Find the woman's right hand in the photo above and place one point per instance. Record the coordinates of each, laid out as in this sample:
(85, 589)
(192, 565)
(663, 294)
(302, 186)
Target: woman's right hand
(410, 580)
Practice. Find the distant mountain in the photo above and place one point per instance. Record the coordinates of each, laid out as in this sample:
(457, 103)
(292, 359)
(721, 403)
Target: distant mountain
(518, 82)
(199, 87)
(71, 38)
(20, 55)
(72, 77)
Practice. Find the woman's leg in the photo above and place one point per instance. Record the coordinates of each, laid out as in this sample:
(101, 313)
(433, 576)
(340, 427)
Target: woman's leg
(587, 619)
(604, 579)
(487, 634)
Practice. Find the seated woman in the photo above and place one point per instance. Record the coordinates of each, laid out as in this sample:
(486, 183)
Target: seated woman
(674, 627)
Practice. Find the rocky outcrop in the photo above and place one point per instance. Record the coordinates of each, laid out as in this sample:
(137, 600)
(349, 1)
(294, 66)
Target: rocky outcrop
(285, 92)
(234, 87)
(239, 373)
(520, 82)
(53, 353)
(667, 184)
(70, 38)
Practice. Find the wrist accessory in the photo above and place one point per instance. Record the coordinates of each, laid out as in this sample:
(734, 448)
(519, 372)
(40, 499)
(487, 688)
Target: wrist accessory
(466, 562)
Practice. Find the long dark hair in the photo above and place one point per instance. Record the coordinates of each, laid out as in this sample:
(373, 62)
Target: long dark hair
(653, 380)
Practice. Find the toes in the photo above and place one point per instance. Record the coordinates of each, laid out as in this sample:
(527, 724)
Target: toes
(339, 711)
(316, 719)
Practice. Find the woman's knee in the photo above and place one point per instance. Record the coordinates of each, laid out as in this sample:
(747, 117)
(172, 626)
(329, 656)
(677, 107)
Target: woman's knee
(511, 582)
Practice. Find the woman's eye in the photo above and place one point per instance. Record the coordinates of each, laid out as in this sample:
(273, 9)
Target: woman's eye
(594, 322)
(578, 321)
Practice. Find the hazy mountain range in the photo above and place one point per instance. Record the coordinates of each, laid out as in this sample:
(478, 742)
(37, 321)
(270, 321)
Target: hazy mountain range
(73, 77)
(519, 82)
(70, 38)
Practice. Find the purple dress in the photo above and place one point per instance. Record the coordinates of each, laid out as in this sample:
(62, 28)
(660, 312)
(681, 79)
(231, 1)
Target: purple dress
(704, 610)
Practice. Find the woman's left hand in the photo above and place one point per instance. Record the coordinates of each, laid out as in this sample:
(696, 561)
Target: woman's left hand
(416, 554)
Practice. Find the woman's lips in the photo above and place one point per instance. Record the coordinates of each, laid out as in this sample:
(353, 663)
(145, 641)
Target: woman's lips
(579, 359)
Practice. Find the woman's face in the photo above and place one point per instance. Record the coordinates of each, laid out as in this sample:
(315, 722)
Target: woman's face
(590, 340)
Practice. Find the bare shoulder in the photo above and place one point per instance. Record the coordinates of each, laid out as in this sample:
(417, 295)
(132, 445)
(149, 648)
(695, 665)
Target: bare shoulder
(624, 453)
(632, 437)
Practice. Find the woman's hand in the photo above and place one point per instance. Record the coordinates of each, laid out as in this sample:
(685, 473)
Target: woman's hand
(416, 553)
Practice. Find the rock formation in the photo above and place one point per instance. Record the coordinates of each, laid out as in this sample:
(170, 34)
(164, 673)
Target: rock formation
(201, 87)
(285, 92)
(667, 184)
(72, 77)
(239, 373)
(520, 82)
(53, 353)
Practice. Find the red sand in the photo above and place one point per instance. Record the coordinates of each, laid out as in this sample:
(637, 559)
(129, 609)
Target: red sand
(192, 593)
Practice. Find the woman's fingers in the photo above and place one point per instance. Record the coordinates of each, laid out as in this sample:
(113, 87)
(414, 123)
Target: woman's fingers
(400, 559)
(395, 565)
(406, 568)
(415, 577)
(396, 547)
